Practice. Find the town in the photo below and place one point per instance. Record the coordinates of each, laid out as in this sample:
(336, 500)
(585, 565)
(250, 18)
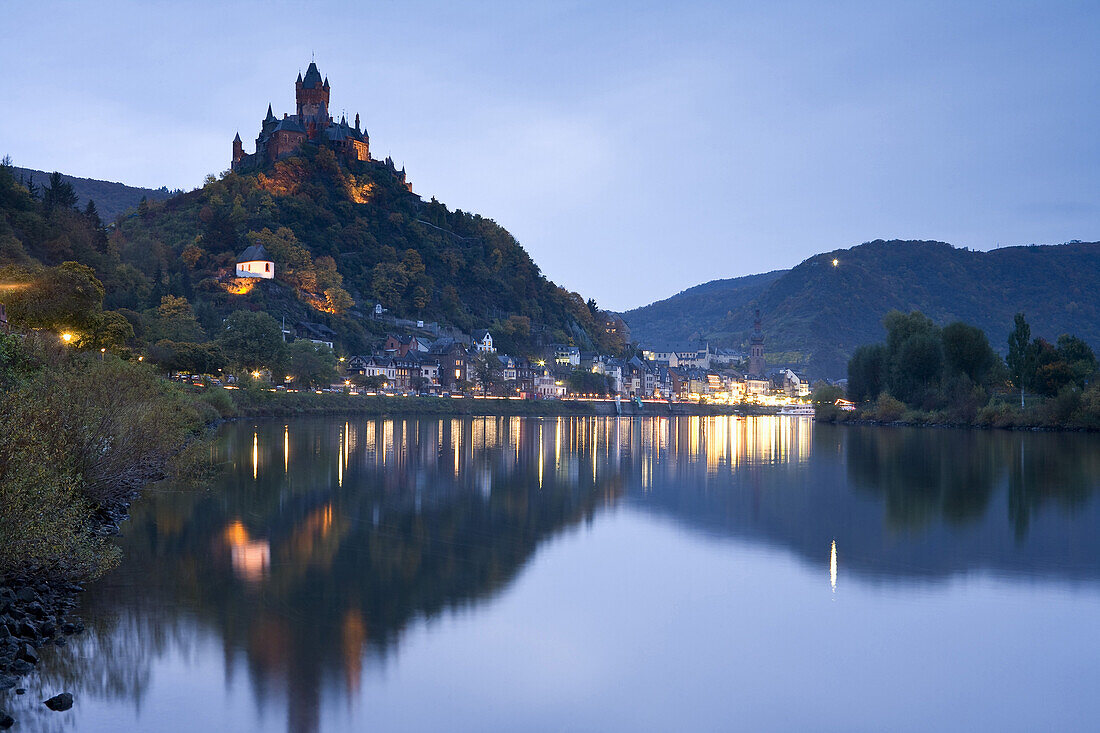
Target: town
(419, 358)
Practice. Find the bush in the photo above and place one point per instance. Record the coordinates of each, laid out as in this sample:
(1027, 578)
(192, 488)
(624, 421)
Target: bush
(220, 400)
(888, 409)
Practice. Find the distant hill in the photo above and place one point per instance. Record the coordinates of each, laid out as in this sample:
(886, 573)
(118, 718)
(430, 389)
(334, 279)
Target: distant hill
(111, 199)
(815, 314)
(689, 316)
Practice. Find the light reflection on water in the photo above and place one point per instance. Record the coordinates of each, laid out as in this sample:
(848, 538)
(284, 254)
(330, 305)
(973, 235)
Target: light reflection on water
(330, 559)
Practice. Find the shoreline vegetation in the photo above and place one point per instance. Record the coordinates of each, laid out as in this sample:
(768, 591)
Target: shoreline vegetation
(80, 435)
(950, 376)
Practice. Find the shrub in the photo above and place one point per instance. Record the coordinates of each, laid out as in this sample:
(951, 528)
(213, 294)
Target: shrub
(888, 409)
(220, 400)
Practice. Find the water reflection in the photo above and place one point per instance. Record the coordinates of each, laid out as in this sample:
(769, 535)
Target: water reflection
(322, 541)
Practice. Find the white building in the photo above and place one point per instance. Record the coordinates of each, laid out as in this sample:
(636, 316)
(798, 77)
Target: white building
(483, 342)
(255, 262)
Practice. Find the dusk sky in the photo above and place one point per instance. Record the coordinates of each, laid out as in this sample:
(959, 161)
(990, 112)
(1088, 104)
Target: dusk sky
(634, 149)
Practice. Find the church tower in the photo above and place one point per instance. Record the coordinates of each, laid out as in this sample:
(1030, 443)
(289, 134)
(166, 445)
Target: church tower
(311, 95)
(756, 348)
(238, 150)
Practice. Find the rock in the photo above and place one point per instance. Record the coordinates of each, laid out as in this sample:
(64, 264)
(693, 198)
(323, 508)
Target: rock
(70, 627)
(26, 629)
(47, 628)
(27, 652)
(64, 701)
(5, 632)
(6, 721)
(26, 595)
(36, 610)
(6, 683)
(20, 691)
(21, 666)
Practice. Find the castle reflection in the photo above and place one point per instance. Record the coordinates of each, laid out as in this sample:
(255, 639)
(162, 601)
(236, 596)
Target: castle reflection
(321, 541)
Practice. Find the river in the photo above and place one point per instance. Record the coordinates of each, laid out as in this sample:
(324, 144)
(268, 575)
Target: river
(599, 574)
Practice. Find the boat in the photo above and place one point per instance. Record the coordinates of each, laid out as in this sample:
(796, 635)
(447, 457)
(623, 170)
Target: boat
(797, 410)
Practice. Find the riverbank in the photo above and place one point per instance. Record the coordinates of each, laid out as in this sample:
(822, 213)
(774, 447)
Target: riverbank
(247, 403)
(80, 436)
(1066, 413)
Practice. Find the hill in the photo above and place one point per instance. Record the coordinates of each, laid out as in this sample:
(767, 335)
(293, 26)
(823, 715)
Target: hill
(688, 316)
(111, 199)
(815, 314)
(344, 235)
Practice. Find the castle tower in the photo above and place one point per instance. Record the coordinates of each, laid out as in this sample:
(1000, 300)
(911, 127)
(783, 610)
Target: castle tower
(312, 95)
(238, 150)
(756, 348)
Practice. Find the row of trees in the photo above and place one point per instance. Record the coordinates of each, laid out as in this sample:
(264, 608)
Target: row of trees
(927, 367)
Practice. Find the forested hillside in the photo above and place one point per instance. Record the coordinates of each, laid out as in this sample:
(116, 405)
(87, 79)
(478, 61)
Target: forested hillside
(343, 236)
(111, 199)
(816, 314)
(690, 315)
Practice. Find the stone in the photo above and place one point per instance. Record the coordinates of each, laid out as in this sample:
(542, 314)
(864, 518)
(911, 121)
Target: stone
(20, 690)
(27, 652)
(61, 702)
(71, 628)
(21, 666)
(6, 683)
(26, 595)
(26, 629)
(47, 628)
(6, 721)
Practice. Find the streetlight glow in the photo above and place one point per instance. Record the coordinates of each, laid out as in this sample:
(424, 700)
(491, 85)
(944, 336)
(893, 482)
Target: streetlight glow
(66, 337)
(835, 262)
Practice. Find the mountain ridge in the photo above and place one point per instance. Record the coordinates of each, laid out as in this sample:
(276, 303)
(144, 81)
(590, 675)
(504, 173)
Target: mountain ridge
(816, 314)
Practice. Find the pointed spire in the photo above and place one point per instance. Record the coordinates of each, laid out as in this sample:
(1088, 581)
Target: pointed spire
(299, 80)
(270, 114)
(357, 122)
(326, 83)
(237, 138)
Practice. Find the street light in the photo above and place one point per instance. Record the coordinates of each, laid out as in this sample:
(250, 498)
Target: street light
(66, 337)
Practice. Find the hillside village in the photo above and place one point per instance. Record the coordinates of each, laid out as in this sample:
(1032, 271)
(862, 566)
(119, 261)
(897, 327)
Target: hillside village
(425, 358)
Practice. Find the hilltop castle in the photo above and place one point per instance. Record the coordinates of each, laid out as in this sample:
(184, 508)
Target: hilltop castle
(312, 123)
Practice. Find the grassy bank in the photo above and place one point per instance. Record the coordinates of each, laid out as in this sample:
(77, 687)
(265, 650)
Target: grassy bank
(79, 434)
(1069, 410)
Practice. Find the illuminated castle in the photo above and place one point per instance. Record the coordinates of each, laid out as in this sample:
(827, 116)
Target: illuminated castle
(312, 123)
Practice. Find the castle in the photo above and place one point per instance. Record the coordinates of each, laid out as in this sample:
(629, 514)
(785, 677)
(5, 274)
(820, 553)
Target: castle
(281, 137)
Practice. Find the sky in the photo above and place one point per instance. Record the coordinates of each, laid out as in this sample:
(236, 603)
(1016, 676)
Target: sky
(634, 148)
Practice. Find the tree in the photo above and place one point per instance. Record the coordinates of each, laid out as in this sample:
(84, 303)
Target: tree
(914, 353)
(338, 299)
(1079, 357)
(108, 330)
(252, 340)
(175, 320)
(190, 358)
(1021, 362)
(867, 373)
(58, 194)
(966, 351)
(486, 370)
(311, 364)
(68, 296)
(374, 381)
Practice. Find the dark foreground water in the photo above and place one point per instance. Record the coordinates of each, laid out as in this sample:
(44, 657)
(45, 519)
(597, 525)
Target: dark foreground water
(691, 574)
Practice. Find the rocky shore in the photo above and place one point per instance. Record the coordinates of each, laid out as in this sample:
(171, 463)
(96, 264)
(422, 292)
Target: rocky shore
(36, 611)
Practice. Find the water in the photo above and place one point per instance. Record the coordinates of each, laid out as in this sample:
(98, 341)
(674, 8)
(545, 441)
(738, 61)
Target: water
(698, 574)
